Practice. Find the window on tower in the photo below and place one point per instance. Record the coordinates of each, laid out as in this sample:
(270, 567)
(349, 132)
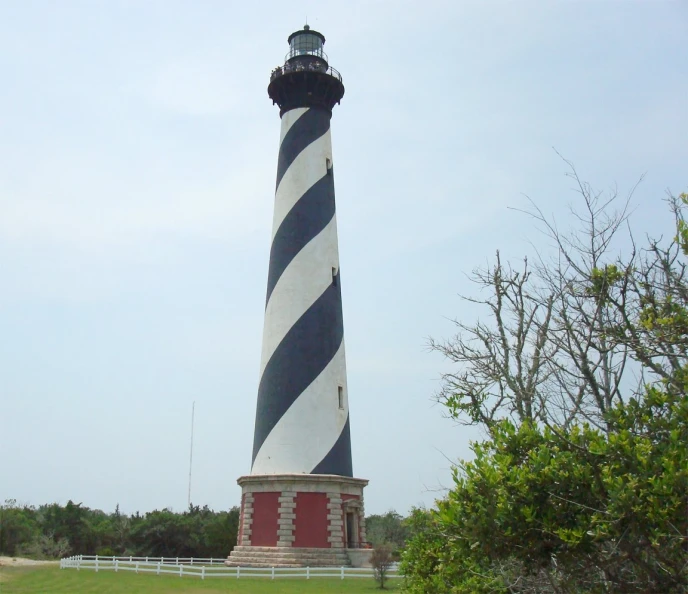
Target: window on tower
(340, 395)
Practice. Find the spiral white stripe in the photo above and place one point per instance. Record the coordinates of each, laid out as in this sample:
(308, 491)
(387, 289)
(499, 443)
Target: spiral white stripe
(308, 430)
(303, 281)
(288, 120)
(309, 167)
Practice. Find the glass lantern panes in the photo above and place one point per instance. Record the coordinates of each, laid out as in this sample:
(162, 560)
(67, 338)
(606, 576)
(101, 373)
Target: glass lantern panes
(306, 44)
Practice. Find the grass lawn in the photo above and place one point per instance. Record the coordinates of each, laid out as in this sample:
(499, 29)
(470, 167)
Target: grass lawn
(35, 580)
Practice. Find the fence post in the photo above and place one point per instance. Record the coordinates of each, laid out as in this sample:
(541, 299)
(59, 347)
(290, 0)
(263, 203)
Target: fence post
(203, 572)
(130, 559)
(78, 563)
(308, 573)
(137, 567)
(96, 563)
(191, 562)
(238, 571)
(177, 561)
(146, 559)
(158, 572)
(273, 573)
(342, 572)
(181, 570)
(116, 565)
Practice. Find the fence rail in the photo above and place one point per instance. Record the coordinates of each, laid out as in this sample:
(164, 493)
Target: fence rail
(207, 568)
(165, 560)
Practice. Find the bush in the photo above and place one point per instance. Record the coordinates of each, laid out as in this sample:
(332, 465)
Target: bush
(381, 560)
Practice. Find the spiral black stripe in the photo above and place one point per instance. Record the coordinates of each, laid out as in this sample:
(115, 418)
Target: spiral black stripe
(309, 216)
(305, 351)
(338, 459)
(308, 128)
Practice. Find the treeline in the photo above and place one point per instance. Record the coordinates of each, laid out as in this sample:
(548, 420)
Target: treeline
(54, 531)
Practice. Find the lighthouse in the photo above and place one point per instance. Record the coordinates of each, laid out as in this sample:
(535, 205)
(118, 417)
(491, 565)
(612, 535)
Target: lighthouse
(301, 504)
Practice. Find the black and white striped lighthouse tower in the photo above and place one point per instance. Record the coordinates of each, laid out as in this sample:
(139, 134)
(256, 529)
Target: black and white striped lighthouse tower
(301, 504)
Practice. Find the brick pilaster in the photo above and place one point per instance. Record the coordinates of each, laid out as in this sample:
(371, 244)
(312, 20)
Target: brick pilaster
(335, 520)
(361, 523)
(285, 523)
(246, 520)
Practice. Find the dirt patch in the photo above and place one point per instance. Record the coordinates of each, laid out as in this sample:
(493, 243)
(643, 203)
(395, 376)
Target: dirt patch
(19, 561)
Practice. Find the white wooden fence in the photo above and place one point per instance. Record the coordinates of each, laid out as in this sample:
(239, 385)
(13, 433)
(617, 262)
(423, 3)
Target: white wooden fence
(203, 568)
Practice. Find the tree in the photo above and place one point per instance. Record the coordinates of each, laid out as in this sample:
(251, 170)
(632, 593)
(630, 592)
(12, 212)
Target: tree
(387, 528)
(546, 354)
(199, 532)
(69, 523)
(17, 526)
(381, 560)
(121, 526)
(579, 380)
(220, 533)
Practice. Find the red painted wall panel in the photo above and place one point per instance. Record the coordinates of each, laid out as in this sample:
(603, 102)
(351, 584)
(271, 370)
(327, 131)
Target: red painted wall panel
(265, 514)
(310, 526)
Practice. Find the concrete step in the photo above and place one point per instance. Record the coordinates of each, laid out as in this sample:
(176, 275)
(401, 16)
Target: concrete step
(287, 557)
(300, 552)
(313, 561)
(296, 550)
(261, 564)
(310, 561)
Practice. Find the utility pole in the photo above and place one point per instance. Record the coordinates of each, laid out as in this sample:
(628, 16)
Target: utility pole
(193, 410)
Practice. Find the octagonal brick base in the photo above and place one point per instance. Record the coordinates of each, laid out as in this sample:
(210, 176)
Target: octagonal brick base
(299, 520)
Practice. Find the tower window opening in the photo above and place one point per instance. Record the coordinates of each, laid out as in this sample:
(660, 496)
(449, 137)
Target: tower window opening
(340, 397)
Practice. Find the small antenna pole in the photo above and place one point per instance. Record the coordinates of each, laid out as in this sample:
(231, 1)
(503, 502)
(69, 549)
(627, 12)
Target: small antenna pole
(193, 410)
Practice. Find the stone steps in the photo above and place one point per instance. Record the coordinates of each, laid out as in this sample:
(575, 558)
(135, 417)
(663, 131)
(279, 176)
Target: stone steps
(275, 561)
(245, 556)
(295, 551)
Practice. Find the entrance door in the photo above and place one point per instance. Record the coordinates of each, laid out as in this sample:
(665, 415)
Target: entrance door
(350, 530)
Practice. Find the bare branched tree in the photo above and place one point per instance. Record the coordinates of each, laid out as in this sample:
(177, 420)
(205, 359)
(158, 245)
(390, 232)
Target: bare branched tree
(555, 348)
(502, 363)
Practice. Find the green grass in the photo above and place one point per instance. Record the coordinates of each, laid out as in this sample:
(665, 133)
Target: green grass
(52, 580)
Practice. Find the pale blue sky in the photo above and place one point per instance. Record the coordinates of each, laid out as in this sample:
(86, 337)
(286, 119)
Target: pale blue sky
(138, 153)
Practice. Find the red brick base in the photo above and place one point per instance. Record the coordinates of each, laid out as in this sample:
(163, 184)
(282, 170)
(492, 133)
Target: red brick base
(311, 511)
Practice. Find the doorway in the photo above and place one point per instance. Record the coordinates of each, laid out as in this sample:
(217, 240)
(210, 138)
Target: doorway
(350, 531)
